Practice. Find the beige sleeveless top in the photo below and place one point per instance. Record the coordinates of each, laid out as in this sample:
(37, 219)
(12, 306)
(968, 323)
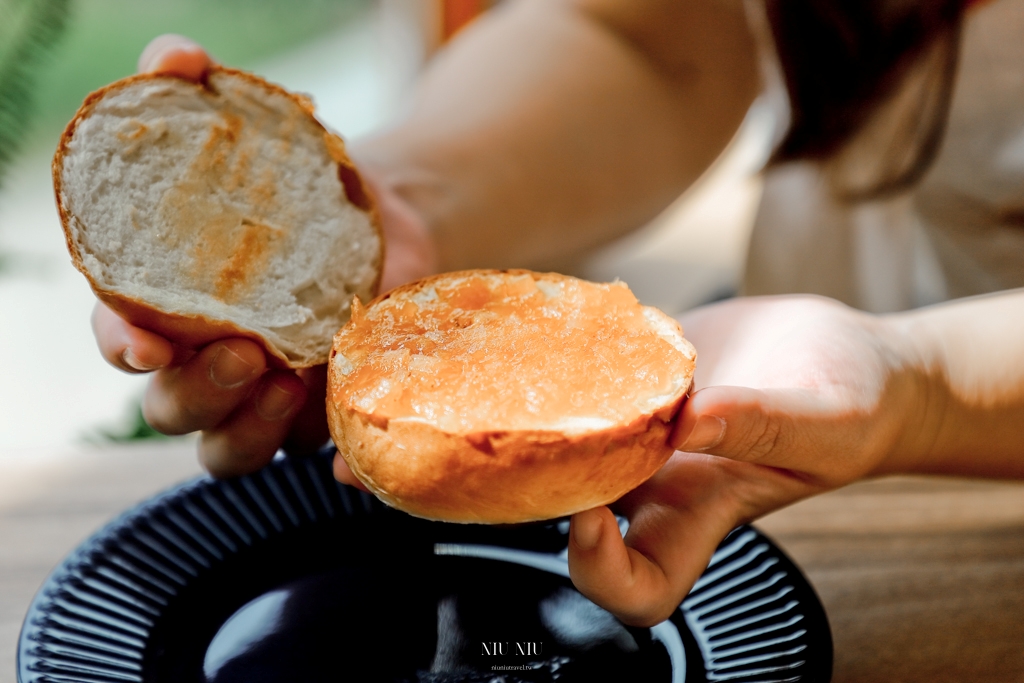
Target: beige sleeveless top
(959, 232)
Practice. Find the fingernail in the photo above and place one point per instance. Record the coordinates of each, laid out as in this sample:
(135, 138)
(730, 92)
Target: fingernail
(586, 530)
(706, 434)
(134, 363)
(229, 370)
(274, 403)
(158, 48)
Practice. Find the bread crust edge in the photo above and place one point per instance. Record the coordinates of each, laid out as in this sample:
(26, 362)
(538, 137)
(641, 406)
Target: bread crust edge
(484, 477)
(195, 331)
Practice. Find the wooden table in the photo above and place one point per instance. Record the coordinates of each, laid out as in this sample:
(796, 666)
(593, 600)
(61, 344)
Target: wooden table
(922, 579)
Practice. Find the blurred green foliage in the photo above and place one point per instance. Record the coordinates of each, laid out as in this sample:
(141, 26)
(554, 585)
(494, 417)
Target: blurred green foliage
(28, 28)
(103, 40)
(135, 429)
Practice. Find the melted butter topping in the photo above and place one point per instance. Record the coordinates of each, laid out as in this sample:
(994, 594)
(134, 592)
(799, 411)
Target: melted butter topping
(492, 352)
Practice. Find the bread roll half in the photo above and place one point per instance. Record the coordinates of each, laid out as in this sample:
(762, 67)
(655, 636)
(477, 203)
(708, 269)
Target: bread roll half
(222, 208)
(505, 396)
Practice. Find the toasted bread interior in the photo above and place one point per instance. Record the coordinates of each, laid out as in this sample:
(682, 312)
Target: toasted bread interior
(487, 351)
(219, 200)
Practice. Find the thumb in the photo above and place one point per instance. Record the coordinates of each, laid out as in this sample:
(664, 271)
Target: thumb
(642, 578)
(783, 428)
(175, 55)
(343, 474)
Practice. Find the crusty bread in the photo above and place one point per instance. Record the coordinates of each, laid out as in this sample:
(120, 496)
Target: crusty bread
(505, 396)
(203, 210)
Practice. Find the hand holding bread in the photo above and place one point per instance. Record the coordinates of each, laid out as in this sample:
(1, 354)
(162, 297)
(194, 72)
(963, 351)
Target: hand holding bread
(795, 395)
(224, 388)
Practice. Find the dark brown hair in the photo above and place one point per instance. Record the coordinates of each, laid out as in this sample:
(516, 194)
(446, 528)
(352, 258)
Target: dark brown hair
(843, 60)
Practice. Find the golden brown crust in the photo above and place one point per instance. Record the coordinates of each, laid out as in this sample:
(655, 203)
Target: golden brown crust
(186, 331)
(493, 476)
(196, 331)
(499, 477)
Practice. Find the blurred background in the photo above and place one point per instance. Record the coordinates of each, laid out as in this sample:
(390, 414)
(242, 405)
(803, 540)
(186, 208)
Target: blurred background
(358, 60)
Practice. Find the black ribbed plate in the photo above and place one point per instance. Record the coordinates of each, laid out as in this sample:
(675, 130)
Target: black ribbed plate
(285, 575)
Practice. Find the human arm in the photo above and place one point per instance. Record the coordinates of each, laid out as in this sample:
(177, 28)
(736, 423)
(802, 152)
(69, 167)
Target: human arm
(797, 396)
(551, 126)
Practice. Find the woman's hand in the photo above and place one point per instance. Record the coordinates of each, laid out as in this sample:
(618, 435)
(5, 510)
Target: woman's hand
(796, 396)
(245, 411)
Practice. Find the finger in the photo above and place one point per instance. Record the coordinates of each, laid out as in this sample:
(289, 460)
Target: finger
(249, 438)
(309, 430)
(127, 347)
(202, 392)
(343, 474)
(641, 579)
(176, 55)
(410, 252)
(790, 429)
(677, 519)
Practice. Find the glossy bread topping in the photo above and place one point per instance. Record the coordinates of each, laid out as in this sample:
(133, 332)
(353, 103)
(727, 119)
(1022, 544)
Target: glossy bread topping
(496, 351)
